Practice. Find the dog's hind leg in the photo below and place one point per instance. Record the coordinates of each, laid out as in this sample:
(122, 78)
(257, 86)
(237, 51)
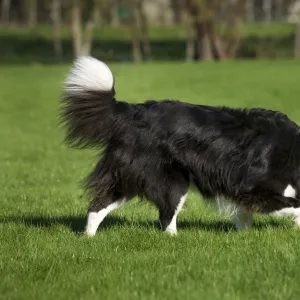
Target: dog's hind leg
(269, 202)
(289, 212)
(170, 198)
(98, 210)
(105, 189)
(168, 214)
(243, 219)
(293, 212)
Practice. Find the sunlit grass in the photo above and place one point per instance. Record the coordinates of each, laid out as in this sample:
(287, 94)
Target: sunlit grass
(43, 253)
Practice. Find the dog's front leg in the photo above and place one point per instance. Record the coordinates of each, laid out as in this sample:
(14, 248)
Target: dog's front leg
(243, 219)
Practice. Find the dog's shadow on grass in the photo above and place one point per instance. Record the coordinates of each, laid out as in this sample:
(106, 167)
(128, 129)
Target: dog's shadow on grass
(77, 223)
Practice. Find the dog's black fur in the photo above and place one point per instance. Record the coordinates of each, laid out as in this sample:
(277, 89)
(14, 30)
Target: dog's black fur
(156, 149)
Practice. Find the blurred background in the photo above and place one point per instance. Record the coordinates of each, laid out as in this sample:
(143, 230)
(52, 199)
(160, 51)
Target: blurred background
(55, 31)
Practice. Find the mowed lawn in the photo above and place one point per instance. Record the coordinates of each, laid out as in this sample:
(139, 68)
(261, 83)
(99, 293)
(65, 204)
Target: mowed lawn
(43, 251)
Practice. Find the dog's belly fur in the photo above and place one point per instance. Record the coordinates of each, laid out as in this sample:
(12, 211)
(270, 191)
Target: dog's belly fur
(243, 219)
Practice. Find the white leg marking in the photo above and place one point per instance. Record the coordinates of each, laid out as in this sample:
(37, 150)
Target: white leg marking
(289, 211)
(289, 192)
(172, 227)
(286, 212)
(243, 219)
(226, 206)
(297, 220)
(95, 218)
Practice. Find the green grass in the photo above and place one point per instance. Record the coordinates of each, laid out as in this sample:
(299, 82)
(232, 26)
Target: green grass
(43, 253)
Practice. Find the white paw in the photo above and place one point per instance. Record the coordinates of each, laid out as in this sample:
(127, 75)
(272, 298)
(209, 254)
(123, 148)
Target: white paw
(297, 221)
(171, 231)
(90, 232)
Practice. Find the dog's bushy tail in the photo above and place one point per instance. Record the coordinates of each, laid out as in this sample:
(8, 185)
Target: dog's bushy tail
(88, 103)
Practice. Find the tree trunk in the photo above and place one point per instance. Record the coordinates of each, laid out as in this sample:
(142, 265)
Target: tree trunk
(217, 44)
(190, 45)
(56, 21)
(5, 11)
(161, 14)
(267, 7)
(297, 41)
(250, 10)
(115, 20)
(135, 33)
(76, 27)
(82, 39)
(147, 47)
(136, 50)
(279, 10)
(97, 14)
(32, 13)
(204, 46)
(136, 45)
(176, 11)
(86, 47)
(144, 30)
(205, 16)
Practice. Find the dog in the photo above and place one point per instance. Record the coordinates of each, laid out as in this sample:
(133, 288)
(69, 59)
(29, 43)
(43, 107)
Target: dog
(248, 159)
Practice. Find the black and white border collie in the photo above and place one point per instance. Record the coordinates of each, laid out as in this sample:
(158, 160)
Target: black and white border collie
(248, 159)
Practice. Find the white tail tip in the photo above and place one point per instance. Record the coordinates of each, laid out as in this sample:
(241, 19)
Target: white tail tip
(89, 74)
